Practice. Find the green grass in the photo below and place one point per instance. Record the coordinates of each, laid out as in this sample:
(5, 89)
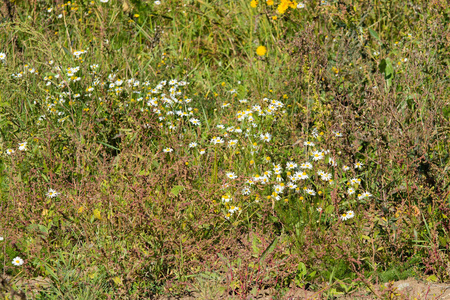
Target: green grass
(140, 211)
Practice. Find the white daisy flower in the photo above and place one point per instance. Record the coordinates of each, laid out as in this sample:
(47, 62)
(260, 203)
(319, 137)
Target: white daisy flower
(310, 192)
(326, 176)
(266, 137)
(52, 193)
(348, 215)
(291, 165)
(231, 175)
(167, 150)
(245, 191)
(306, 165)
(17, 261)
(318, 155)
(23, 146)
(232, 143)
(195, 121)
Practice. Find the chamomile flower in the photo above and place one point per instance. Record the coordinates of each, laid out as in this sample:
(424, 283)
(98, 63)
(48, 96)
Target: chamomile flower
(311, 144)
(358, 165)
(231, 175)
(232, 143)
(278, 189)
(9, 151)
(2, 56)
(332, 162)
(167, 150)
(226, 198)
(245, 191)
(348, 215)
(266, 137)
(326, 176)
(268, 174)
(318, 155)
(306, 165)
(202, 151)
(23, 146)
(52, 193)
(194, 121)
(355, 181)
(193, 145)
(291, 185)
(345, 168)
(365, 195)
(17, 261)
(300, 176)
(291, 165)
(310, 192)
(264, 180)
(277, 169)
(217, 140)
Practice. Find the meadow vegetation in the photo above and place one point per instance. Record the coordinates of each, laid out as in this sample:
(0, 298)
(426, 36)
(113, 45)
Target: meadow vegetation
(223, 147)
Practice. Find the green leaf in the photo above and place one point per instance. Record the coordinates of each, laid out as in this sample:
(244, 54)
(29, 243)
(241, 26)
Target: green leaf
(107, 145)
(329, 209)
(374, 34)
(255, 242)
(387, 68)
(45, 167)
(301, 269)
(67, 51)
(446, 112)
(269, 249)
(176, 190)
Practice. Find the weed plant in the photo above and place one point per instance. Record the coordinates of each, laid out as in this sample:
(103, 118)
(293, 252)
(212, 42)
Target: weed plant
(222, 147)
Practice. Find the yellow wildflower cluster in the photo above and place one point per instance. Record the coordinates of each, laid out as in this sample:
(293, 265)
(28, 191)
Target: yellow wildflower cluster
(284, 5)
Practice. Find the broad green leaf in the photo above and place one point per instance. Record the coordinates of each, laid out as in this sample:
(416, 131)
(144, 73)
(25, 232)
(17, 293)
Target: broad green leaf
(374, 34)
(269, 249)
(176, 190)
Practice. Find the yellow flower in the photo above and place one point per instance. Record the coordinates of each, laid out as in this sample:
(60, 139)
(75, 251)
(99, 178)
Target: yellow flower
(282, 7)
(261, 51)
(97, 214)
(274, 18)
(269, 2)
(254, 3)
